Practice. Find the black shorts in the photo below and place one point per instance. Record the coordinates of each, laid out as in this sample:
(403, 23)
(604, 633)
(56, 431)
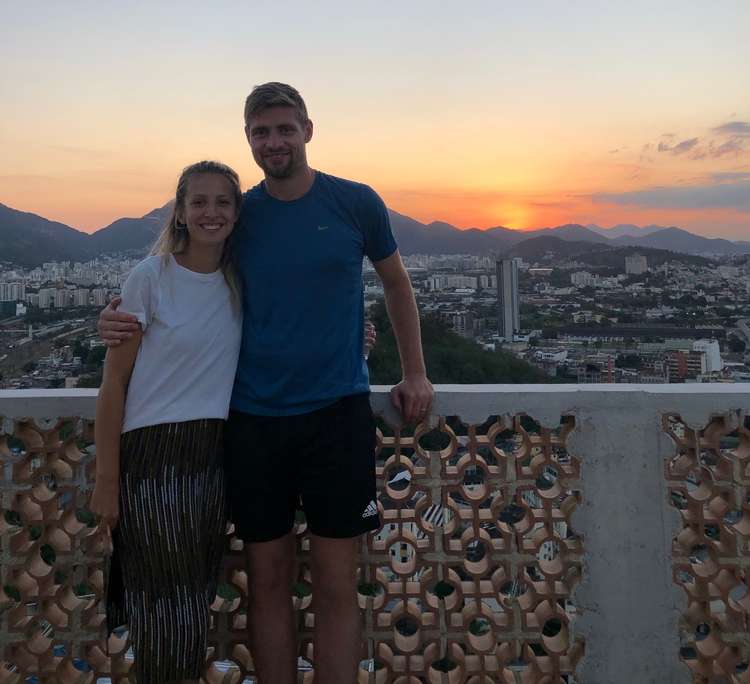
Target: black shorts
(322, 462)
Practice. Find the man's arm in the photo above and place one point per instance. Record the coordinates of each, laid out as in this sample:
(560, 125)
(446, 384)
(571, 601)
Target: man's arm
(413, 395)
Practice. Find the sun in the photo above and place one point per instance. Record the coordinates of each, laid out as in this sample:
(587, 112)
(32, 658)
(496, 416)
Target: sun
(513, 215)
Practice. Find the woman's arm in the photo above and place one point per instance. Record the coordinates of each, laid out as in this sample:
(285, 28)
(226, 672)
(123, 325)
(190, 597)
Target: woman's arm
(110, 407)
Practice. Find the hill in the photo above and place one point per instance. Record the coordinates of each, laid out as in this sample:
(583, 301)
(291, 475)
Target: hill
(679, 240)
(414, 237)
(570, 231)
(624, 229)
(28, 240)
(128, 234)
(538, 248)
(597, 255)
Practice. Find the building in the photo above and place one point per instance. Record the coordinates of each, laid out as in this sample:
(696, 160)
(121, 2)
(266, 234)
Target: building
(508, 303)
(100, 297)
(61, 299)
(685, 365)
(462, 322)
(81, 298)
(487, 281)
(12, 292)
(46, 297)
(636, 264)
(451, 282)
(712, 352)
(582, 279)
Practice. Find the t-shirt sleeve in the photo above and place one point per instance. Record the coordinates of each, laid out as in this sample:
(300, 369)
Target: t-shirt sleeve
(139, 294)
(376, 226)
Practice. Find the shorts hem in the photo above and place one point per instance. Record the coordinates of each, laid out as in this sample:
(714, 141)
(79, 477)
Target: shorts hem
(261, 538)
(373, 525)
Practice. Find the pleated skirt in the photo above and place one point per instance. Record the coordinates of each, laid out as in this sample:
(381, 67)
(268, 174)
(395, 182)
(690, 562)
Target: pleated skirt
(168, 545)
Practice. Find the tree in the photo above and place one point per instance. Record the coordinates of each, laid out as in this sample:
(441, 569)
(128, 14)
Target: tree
(92, 380)
(449, 357)
(736, 345)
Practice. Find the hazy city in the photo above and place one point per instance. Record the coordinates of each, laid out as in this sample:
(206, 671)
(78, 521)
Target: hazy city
(633, 317)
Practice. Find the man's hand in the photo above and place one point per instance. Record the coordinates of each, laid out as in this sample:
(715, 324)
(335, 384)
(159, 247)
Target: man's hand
(115, 326)
(412, 397)
(371, 337)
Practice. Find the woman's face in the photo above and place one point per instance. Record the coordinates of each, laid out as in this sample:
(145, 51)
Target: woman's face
(210, 209)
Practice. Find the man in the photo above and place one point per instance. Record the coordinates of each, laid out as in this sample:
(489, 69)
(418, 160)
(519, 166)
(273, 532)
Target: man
(301, 427)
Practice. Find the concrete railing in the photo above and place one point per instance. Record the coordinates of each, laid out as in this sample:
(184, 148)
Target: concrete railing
(532, 534)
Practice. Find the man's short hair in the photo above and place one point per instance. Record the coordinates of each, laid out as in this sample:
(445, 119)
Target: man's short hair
(274, 94)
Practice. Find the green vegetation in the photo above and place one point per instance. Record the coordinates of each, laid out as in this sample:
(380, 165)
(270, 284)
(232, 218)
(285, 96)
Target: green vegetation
(736, 345)
(449, 357)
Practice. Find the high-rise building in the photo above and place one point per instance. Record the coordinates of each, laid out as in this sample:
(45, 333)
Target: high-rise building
(509, 308)
(62, 299)
(12, 292)
(99, 296)
(46, 296)
(81, 297)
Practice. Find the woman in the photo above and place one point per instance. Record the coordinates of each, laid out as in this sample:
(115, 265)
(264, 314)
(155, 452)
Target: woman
(164, 396)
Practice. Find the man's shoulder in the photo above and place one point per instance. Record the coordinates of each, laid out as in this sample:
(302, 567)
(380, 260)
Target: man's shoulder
(343, 185)
(253, 194)
(358, 195)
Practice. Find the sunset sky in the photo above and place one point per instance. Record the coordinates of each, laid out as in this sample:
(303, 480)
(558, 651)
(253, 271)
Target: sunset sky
(477, 113)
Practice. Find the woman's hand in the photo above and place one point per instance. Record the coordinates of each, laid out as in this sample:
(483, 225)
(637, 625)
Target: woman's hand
(105, 503)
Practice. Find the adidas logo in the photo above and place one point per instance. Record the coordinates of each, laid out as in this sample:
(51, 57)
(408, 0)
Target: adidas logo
(372, 509)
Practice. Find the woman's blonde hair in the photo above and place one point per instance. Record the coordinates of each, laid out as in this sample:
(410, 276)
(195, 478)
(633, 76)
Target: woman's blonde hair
(174, 237)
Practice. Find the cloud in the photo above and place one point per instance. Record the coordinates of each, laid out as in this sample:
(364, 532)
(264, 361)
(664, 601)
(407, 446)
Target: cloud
(679, 148)
(722, 195)
(730, 139)
(732, 146)
(552, 205)
(730, 176)
(734, 128)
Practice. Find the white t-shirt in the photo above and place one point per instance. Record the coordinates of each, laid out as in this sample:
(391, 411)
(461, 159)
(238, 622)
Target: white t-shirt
(191, 341)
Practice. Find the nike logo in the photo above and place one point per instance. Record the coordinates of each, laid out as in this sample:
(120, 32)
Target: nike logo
(322, 227)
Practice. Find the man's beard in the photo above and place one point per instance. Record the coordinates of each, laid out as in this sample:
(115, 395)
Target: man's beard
(279, 172)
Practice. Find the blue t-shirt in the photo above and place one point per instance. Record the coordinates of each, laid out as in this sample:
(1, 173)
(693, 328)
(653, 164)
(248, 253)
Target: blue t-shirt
(300, 264)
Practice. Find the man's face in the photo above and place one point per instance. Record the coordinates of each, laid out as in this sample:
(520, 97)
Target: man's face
(277, 140)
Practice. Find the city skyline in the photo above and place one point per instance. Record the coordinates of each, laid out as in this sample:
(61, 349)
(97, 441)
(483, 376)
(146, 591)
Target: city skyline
(524, 117)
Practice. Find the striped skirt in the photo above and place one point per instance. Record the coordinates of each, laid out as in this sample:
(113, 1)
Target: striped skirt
(168, 546)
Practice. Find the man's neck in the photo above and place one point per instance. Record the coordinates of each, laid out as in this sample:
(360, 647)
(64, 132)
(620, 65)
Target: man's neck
(292, 188)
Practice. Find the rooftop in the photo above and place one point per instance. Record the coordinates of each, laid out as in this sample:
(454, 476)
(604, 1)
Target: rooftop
(532, 534)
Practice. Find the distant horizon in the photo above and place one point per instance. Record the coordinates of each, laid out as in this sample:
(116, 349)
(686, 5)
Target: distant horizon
(522, 116)
(426, 223)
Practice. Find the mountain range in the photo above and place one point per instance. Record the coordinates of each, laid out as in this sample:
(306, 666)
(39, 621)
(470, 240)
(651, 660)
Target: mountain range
(29, 240)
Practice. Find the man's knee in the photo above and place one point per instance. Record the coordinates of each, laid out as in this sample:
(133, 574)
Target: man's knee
(271, 567)
(334, 569)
